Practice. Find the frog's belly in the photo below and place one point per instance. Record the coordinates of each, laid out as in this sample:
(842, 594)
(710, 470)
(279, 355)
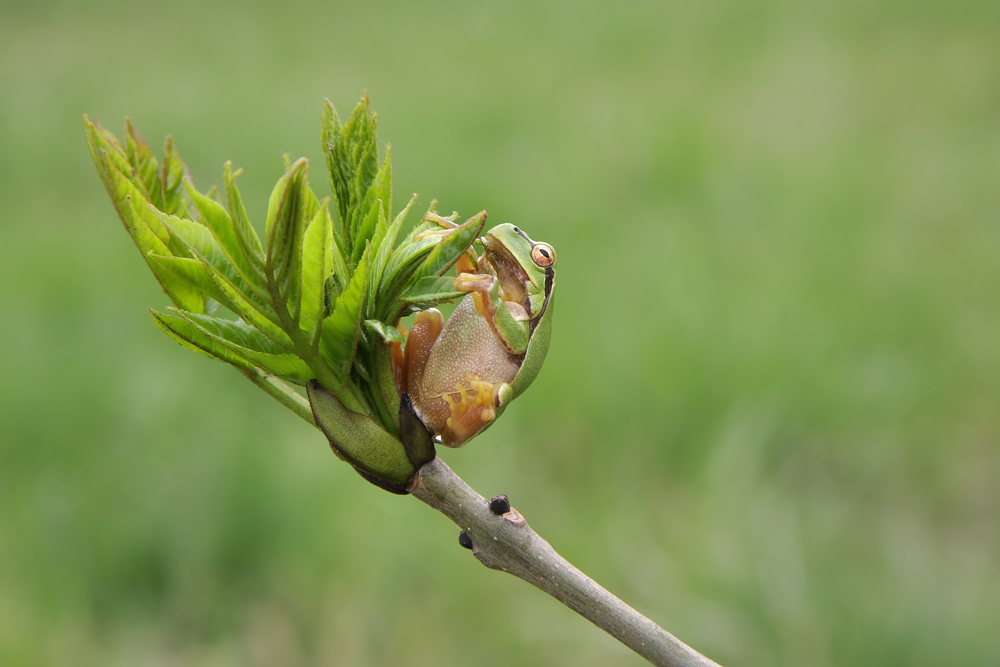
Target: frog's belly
(467, 346)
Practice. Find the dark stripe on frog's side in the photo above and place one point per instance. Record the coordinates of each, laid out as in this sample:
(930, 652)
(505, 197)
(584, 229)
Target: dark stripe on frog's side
(550, 276)
(549, 279)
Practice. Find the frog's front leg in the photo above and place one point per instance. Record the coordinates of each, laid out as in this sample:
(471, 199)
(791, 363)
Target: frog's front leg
(508, 319)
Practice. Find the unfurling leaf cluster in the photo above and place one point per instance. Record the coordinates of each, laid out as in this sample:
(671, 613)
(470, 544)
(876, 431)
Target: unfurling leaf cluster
(318, 296)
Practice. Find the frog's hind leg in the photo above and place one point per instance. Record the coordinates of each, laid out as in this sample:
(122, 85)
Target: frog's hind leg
(472, 407)
(419, 342)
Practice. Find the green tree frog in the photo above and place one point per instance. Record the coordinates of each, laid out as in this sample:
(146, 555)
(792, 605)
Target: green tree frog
(461, 374)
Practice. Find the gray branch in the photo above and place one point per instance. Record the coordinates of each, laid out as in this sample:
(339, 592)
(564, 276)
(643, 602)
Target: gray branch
(508, 543)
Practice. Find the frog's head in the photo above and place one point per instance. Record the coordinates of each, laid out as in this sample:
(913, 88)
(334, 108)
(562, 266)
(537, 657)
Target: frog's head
(524, 267)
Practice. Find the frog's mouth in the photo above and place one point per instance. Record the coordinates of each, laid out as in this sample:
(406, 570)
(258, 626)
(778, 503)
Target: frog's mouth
(513, 278)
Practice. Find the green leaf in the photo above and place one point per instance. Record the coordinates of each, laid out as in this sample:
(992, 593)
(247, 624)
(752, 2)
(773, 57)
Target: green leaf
(124, 192)
(109, 156)
(330, 138)
(245, 233)
(140, 223)
(181, 289)
(366, 227)
(284, 228)
(317, 267)
(251, 344)
(144, 163)
(148, 233)
(447, 252)
(247, 311)
(406, 258)
(351, 152)
(430, 256)
(310, 202)
(389, 334)
(411, 251)
(432, 290)
(377, 201)
(190, 337)
(339, 337)
(198, 240)
(235, 332)
(341, 275)
(172, 173)
(191, 272)
(217, 219)
(382, 258)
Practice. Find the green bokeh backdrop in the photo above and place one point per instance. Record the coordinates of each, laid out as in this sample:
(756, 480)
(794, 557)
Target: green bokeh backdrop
(770, 415)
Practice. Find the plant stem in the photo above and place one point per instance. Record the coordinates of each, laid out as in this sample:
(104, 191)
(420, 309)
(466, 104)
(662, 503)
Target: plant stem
(279, 390)
(508, 543)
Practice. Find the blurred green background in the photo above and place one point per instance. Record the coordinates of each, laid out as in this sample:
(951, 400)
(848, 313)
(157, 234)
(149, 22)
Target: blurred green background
(770, 415)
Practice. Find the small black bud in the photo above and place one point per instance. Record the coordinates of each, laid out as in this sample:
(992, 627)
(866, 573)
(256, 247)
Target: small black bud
(500, 505)
(465, 540)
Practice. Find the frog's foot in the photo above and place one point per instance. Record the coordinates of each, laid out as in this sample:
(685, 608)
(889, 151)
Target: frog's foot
(481, 286)
(473, 282)
(471, 408)
(448, 224)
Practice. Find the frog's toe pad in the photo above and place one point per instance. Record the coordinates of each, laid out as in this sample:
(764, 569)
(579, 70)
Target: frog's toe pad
(471, 407)
(505, 394)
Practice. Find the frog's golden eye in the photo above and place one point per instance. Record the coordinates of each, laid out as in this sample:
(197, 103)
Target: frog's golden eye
(543, 254)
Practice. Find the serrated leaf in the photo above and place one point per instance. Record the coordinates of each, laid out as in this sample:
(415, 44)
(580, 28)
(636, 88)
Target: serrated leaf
(172, 173)
(139, 223)
(382, 258)
(366, 228)
(430, 256)
(188, 336)
(351, 153)
(341, 274)
(406, 258)
(198, 240)
(339, 337)
(284, 228)
(248, 312)
(251, 344)
(143, 226)
(412, 250)
(330, 137)
(245, 233)
(317, 268)
(389, 334)
(217, 219)
(377, 201)
(191, 272)
(108, 156)
(124, 193)
(447, 252)
(180, 291)
(144, 163)
(432, 290)
(310, 202)
(236, 332)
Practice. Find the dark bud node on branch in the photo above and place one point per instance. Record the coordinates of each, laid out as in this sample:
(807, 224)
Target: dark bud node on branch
(465, 540)
(500, 505)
